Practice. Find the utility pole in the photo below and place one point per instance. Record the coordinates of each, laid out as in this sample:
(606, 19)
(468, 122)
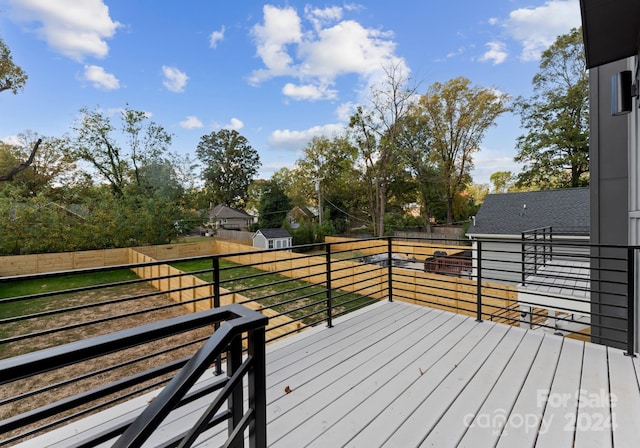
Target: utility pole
(319, 199)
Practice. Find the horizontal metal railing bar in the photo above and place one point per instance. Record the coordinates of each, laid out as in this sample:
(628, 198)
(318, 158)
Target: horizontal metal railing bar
(24, 366)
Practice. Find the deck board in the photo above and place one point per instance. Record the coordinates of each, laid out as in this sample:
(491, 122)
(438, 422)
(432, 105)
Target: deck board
(396, 374)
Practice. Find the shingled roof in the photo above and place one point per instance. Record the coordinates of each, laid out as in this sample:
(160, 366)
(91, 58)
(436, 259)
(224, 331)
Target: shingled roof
(567, 211)
(275, 233)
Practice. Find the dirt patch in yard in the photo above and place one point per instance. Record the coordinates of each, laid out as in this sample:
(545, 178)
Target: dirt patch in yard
(149, 306)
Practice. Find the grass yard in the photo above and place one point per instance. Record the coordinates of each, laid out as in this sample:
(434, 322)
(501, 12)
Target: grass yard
(297, 299)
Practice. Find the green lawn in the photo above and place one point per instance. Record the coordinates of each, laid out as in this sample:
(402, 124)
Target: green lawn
(28, 287)
(272, 290)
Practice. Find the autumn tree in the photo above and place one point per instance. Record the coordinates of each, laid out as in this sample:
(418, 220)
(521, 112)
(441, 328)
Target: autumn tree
(97, 140)
(502, 181)
(457, 116)
(375, 128)
(555, 149)
(230, 163)
(12, 77)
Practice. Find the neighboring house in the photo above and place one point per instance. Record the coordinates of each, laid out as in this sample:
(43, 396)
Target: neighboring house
(610, 34)
(223, 217)
(503, 218)
(272, 239)
(300, 215)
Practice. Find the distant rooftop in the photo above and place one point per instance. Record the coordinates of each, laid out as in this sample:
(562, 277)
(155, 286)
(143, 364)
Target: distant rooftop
(566, 210)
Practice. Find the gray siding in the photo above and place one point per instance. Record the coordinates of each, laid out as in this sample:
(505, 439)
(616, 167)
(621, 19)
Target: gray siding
(609, 141)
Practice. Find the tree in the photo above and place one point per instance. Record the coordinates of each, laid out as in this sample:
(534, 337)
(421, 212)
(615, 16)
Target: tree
(96, 141)
(274, 206)
(457, 116)
(327, 175)
(230, 164)
(12, 77)
(556, 117)
(375, 131)
(502, 181)
(48, 170)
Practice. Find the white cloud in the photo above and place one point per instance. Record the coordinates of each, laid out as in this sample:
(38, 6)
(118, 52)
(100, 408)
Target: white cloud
(316, 54)
(281, 27)
(308, 92)
(99, 78)
(76, 29)
(216, 37)
(235, 124)
(289, 140)
(493, 21)
(174, 79)
(537, 28)
(496, 53)
(192, 122)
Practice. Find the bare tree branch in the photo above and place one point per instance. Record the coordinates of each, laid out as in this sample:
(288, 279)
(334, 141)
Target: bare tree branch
(23, 166)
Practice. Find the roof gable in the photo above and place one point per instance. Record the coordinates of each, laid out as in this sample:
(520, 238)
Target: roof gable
(274, 233)
(225, 212)
(567, 211)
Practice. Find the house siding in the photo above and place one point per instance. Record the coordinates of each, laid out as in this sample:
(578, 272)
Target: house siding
(610, 204)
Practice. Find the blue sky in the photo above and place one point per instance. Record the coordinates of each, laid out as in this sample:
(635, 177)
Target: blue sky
(279, 73)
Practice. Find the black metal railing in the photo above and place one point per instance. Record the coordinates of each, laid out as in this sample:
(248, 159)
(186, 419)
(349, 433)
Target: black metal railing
(534, 254)
(585, 291)
(180, 391)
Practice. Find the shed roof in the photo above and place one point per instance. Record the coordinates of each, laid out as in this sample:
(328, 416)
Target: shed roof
(274, 233)
(566, 210)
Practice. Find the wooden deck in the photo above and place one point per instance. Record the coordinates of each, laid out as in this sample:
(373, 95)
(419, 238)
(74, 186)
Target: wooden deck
(399, 375)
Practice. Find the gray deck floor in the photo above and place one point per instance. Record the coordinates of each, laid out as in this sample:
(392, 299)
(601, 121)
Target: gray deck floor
(399, 375)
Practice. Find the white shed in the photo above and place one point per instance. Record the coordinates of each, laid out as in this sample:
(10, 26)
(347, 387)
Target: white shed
(272, 239)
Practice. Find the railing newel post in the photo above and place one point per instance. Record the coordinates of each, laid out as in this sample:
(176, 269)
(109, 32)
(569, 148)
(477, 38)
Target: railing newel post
(329, 288)
(257, 389)
(235, 401)
(216, 303)
(479, 283)
(390, 268)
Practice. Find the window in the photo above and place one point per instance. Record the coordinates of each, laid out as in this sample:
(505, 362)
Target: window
(270, 244)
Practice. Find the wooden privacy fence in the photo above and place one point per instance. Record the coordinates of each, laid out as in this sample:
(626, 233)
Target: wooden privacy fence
(184, 288)
(438, 291)
(409, 285)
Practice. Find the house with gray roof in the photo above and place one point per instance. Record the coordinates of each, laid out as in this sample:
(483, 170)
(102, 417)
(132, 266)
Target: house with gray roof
(228, 218)
(503, 218)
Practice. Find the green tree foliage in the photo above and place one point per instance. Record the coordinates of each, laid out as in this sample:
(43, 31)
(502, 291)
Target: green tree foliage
(12, 77)
(230, 164)
(97, 141)
(327, 175)
(555, 149)
(274, 206)
(457, 116)
(502, 181)
(50, 172)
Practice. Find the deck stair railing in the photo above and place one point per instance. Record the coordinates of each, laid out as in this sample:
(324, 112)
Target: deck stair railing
(234, 320)
(537, 250)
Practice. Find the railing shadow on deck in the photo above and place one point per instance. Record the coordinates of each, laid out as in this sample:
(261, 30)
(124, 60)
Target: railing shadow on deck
(296, 289)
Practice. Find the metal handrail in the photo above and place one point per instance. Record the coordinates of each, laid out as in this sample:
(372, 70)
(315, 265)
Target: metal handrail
(235, 319)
